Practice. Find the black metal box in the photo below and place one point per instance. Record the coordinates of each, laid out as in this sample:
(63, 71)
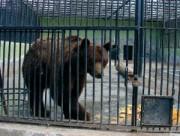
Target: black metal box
(128, 52)
(156, 111)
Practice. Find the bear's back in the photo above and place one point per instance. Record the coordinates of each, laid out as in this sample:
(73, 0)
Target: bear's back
(45, 49)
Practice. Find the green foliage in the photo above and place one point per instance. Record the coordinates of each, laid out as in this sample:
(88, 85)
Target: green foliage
(77, 21)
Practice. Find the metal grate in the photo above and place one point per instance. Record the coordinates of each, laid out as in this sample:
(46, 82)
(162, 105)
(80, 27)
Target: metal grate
(52, 33)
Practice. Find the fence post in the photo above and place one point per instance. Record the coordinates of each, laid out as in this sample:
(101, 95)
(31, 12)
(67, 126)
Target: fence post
(2, 95)
(1, 81)
(138, 55)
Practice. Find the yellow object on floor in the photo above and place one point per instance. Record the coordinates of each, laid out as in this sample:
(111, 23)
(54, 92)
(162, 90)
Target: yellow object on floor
(125, 113)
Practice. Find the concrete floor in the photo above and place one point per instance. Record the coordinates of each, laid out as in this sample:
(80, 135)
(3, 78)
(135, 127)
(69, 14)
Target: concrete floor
(9, 129)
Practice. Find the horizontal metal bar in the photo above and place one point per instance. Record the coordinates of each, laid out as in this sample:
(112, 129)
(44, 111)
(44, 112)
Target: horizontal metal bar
(160, 28)
(66, 28)
(94, 126)
(56, 28)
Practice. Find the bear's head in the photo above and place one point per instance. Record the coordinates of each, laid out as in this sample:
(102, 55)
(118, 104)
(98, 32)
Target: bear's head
(96, 57)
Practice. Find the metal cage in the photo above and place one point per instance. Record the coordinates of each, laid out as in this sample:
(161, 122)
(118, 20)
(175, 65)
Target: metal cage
(60, 27)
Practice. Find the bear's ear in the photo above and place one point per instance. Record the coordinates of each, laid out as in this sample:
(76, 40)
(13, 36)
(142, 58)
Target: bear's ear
(84, 42)
(107, 46)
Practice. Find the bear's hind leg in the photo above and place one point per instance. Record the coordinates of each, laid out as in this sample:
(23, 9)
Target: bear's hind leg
(36, 96)
(36, 105)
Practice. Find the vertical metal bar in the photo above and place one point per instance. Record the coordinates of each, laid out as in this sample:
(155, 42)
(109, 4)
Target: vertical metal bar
(150, 62)
(77, 61)
(144, 49)
(111, 14)
(18, 12)
(40, 93)
(14, 68)
(99, 12)
(150, 53)
(81, 15)
(48, 11)
(28, 83)
(123, 14)
(94, 59)
(2, 96)
(70, 8)
(27, 13)
(105, 13)
(85, 90)
(168, 40)
(52, 84)
(126, 76)
(1, 84)
(23, 91)
(55, 47)
(162, 62)
(157, 52)
(130, 9)
(5, 14)
(34, 88)
(138, 52)
(70, 93)
(21, 13)
(104, 35)
(19, 72)
(53, 16)
(8, 67)
(52, 67)
(64, 17)
(1, 78)
(175, 49)
(162, 49)
(25, 46)
(11, 14)
(151, 14)
(168, 66)
(109, 103)
(57, 55)
(62, 71)
(139, 34)
(43, 13)
(59, 12)
(117, 59)
(3, 70)
(1, 13)
(24, 13)
(134, 106)
(101, 119)
(4, 105)
(76, 12)
(31, 14)
(46, 86)
(156, 61)
(93, 18)
(22, 36)
(164, 17)
(87, 21)
(144, 59)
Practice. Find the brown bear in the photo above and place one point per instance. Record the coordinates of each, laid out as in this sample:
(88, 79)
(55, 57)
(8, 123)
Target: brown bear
(62, 65)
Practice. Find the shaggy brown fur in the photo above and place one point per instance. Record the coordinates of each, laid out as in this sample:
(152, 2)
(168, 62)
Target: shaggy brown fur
(54, 65)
